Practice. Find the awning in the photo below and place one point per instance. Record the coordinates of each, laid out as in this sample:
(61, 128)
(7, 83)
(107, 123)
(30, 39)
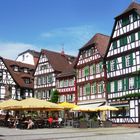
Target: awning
(92, 106)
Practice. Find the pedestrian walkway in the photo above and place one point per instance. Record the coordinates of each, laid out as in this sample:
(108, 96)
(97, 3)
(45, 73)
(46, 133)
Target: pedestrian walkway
(114, 133)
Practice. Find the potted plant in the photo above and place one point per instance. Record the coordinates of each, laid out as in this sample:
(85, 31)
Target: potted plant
(83, 123)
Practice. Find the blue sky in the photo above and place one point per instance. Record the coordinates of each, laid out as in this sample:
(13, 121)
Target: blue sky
(54, 24)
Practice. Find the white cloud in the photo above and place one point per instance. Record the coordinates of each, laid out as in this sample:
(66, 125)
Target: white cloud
(11, 50)
(72, 38)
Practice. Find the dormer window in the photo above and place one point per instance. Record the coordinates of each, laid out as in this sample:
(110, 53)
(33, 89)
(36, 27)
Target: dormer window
(25, 70)
(27, 81)
(16, 68)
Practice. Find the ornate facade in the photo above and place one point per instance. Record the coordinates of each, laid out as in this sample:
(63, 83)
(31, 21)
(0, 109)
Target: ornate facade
(90, 72)
(50, 64)
(123, 65)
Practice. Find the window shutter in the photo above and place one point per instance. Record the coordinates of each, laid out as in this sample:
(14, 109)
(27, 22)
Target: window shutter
(116, 86)
(108, 68)
(114, 45)
(133, 37)
(125, 40)
(115, 63)
(102, 88)
(131, 59)
(95, 88)
(101, 66)
(139, 35)
(135, 16)
(136, 82)
(127, 83)
(86, 71)
(94, 69)
(108, 87)
(123, 62)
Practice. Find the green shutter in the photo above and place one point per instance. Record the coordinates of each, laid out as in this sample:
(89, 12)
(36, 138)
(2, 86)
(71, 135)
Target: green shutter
(121, 42)
(131, 59)
(114, 45)
(108, 66)
(136, 82)
(115, 63)
(100, 65)
(87, 89)
(116, 86)
(127, 83)
(123, 62)
(102, 88)
(139, 35)
(108, 87)
(125, 21)
(125, 40)
(133, 37)
(135, 17)
(94, 88)
(94, 69)
(86, 70)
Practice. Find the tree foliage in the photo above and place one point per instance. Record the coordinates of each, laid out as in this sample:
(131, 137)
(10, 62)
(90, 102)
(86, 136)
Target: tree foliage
(54, 96)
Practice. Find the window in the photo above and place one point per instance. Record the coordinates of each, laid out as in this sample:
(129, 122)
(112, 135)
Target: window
(27, 81)
(100, 87)
(127, 60)
(125, 21)
(125, 84)
(16, 68)
(135, 16)
(132, 37)
(65, 83)
(114, 45)
(50, 78)
(86, 71)
(87, 89)
(123, 41)
(71, 82)
(119, 85)
(25, 70)
(131, 83)
(93, 88)
(97, 68)
(112, 65)
(112, 86)
(122, 112)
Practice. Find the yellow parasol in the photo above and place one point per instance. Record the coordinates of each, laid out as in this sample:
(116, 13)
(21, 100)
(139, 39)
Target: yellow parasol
(106, 108)
(67, 105)
(37, 104)
(83, 109)
(8, 104)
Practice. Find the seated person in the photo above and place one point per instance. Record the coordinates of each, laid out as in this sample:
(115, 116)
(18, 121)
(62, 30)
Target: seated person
(30, 123)
(50, 120)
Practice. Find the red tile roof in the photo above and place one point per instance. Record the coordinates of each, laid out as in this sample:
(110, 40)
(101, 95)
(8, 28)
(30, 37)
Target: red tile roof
(100, 41)
(19, 76)
(57, 60)
(132, 6)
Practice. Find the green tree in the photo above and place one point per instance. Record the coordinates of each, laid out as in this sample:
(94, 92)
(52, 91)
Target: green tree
(54, 96)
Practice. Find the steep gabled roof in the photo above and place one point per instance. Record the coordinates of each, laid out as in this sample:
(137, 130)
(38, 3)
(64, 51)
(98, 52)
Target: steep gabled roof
(132, 6)
(57, 60)
(33, 52)
(69, 71)
(100, 41)
(20, 75)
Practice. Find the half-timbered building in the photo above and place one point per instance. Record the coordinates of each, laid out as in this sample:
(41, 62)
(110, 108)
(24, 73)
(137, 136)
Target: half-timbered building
(123, 66)
(50, 64)
(65, 84)
(29, 57)
(16, 79)
(90, 73)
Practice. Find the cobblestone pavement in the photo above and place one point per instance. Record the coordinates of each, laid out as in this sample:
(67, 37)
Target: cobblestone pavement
(114, 133)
